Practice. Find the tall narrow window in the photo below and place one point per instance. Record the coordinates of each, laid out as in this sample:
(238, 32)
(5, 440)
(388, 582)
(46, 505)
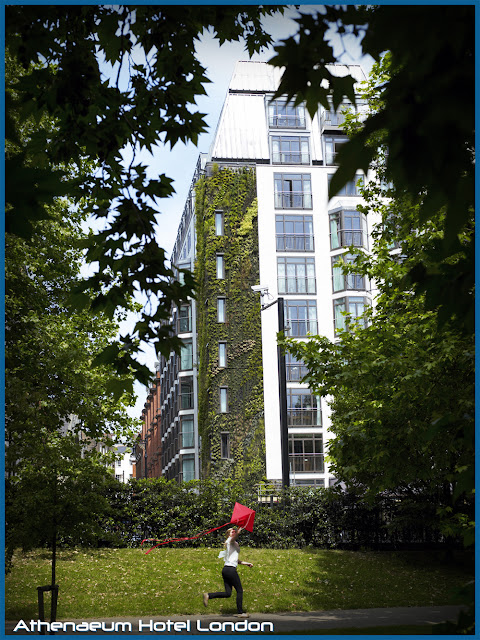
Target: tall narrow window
(220, 267)
(188, 439)
(188, 467)
(219, 223)
(186, 356)
(223, 400)
(185, 319)
(222, 354)
(225, 449)
(221, 305)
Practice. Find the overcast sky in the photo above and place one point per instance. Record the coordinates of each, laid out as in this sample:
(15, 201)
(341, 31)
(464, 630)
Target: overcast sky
(179, 163)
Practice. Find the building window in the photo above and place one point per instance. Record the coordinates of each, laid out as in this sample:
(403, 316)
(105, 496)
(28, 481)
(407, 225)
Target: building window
(181, 272)
(296, 275)
(296, 370)
(185, 319)
(186, 356)
(225, 448)
(286, 115)
(301, 317)
(348, 228)
(187, 432)
(345, 281)
(303, 408)
(354, 306)
(221, 305)
(219, 223)
(352, 188)
(305, 452)
(332, 147)
(186, 393)
(222, 354)
(290, 150)
(220, 267)
(294, 232)
(332, 118)
(188, 467)
(223, 392)
(293, 191)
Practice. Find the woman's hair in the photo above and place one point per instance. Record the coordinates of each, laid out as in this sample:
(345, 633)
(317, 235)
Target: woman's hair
(228, 534)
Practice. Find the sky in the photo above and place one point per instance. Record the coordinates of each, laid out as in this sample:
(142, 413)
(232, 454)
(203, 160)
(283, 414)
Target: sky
(179, 162)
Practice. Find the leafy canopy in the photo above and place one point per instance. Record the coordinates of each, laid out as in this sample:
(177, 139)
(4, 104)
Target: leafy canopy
(114, 80)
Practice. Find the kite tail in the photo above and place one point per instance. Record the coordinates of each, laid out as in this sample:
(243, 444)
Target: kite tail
(160, 543)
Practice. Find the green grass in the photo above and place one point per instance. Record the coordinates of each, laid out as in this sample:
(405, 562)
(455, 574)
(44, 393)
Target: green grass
(127, 582)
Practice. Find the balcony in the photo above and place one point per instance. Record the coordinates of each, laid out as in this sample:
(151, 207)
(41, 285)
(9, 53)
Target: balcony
(293, 200)
(296, 284)
(306, 463)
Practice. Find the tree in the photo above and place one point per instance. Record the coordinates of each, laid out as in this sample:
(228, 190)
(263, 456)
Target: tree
(402, 388)
(75, 60)
(427, 119)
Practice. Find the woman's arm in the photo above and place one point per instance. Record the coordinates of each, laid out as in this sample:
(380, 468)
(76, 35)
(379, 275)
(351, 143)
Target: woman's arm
(249, 564)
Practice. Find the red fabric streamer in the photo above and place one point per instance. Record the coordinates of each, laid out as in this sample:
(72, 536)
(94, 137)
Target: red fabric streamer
(242, 516)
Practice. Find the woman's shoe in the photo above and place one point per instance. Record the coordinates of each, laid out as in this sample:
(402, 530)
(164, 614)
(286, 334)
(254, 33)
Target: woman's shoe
(242, 615)
(205, 599)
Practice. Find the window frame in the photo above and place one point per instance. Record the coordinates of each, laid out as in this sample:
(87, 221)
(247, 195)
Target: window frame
(222, 354)
(295, 120)
(221, 310)
(310, 321)
(288, 155)
(313, 406)
(223, 402)
(225, 450)
(302, 242)
(284, 281)
(342, 233)
(349, 280)
(292, 198)
(219, 223)
(344, 321)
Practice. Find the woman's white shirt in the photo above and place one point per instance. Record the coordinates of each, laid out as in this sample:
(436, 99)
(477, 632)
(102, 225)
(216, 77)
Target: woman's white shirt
(231, 557)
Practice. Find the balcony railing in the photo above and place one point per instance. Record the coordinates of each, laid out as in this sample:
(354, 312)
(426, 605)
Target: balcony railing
(297, 242)
(290, 157)
(293, 284)
(293, 200)
(287, 121)
(185, 400)
(301, 328)
(304, 417)
(307, 462)
(296, 372)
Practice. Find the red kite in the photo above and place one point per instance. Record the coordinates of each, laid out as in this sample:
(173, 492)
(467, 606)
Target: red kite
(241, 516)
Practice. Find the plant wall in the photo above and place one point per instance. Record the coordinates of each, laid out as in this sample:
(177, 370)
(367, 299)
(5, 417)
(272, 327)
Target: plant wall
(233, 193)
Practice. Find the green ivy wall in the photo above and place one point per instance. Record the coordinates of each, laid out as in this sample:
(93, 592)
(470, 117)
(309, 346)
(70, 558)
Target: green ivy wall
(233, 193)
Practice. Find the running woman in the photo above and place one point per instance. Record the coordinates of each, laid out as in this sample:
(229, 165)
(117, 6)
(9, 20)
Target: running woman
(229, 573)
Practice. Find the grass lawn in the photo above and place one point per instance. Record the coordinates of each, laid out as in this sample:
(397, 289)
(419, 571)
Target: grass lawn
(96, 583)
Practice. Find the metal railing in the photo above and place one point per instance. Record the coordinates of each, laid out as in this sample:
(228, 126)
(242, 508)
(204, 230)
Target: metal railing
(294, 284)
(297, 242)
(293, 200)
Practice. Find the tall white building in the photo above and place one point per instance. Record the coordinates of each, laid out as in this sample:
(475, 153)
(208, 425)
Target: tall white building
(295, 237)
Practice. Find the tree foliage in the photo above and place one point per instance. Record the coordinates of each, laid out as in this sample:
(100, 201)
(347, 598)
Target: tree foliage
(426, 118)
(401, 388)
(114, 81)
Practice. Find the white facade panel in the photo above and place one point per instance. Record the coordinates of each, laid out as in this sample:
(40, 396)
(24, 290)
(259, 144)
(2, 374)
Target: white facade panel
(242, 131)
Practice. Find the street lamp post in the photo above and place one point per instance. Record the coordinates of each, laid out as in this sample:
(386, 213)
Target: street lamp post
(282, 385)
